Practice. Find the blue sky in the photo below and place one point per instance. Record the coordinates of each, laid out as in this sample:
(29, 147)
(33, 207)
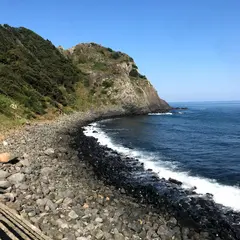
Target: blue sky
(189, 49)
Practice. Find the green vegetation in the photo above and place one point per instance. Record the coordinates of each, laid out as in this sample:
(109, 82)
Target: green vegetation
(31, 68)
(116, 55)
(109, 49)
(134, 66)
(100, 66)
(38, 79)
(107, 84)
(142, 76)
(134, 73)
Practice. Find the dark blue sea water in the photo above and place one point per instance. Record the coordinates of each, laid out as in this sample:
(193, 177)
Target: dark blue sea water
(199, 146)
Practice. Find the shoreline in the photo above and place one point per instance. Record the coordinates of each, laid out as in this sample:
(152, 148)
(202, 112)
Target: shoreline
(191, 209)
(59, 191)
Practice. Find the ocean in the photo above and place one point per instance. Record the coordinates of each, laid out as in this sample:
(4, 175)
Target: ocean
(199, 146)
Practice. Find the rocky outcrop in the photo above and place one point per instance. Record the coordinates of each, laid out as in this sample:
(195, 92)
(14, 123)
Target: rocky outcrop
(36, 79)
(114, 79)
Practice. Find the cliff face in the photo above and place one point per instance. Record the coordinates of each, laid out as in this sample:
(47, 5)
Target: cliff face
(114, 79)
(37, 78)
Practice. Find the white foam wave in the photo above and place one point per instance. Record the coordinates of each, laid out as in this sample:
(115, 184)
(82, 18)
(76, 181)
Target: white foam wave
(158, 114)
(228, 196)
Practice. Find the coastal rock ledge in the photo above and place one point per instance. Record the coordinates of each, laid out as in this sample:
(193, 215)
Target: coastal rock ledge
(68, 186)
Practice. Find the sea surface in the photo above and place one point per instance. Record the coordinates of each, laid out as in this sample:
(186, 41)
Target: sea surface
(199, 146)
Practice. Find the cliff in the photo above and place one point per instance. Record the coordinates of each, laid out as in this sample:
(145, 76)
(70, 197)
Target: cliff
(38, 79)
(113, 78)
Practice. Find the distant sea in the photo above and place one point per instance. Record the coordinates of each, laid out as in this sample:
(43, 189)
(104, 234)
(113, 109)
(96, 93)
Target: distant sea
(199, 146)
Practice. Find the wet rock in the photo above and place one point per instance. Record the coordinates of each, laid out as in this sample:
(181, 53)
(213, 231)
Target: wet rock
(175, 181)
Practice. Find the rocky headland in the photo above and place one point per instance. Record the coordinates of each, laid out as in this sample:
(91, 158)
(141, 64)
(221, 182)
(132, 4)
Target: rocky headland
(65, 183)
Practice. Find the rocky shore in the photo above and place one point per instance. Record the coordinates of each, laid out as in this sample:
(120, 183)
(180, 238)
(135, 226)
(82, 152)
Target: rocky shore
(72, 188)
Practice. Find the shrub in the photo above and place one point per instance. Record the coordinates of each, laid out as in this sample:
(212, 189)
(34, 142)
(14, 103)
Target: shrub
(131, 59)
(104, 91)
(142, 76)
(134, 66)
(116, 55)
(134, 73)
(32, 68)
(109, 49)
(100, 66)
(107, 84)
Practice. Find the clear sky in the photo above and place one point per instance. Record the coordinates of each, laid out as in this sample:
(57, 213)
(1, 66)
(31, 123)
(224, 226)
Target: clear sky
(189, 49)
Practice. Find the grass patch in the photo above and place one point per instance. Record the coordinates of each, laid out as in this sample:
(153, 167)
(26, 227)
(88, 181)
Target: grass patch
(100, 66)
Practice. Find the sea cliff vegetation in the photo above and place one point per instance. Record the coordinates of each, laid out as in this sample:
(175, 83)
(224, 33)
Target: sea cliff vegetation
(39, 80)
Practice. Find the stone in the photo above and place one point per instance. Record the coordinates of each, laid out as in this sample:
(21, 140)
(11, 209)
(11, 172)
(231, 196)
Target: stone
(67, 193)
(59, 201)
(49, 151)
(25, 162)
(118, 236)
(67, 201)
(46, 191)
(50, 204)
(41, 202)
(23, 186)
(59, 235)
(32, 214)
(62, 224)
(99, 235)
(70, 236)
(5, 184)
(28, 197)
(27, 170)
(62, 150)
(99, 220)
(16, 178)
(175, 181)
(8, 197)
(3, 174)
(5, 157)
(72, 215)
(45, 171)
